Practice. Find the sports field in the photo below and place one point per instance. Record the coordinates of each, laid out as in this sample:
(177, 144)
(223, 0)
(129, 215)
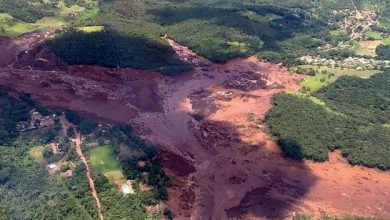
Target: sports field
(103, 160)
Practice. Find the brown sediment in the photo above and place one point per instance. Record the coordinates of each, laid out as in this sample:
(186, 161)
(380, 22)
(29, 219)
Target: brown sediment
(208, 124)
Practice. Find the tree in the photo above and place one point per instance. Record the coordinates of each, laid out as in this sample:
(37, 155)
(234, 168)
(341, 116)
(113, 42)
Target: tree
(73, 117)
(383, 52)
(5, 174)
(47, 153)
(70, 132)
(87, 127)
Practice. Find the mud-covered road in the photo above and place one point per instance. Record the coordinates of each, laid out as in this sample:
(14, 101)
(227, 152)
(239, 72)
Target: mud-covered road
(208, 127)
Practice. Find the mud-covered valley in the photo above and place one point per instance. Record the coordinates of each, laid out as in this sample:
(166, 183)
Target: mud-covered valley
(208, 127)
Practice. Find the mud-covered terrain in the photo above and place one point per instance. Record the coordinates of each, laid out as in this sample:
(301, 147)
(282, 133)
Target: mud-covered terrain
(208, 127)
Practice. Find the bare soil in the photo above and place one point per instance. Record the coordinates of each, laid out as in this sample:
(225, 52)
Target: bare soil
(370, 44)
(208, 126)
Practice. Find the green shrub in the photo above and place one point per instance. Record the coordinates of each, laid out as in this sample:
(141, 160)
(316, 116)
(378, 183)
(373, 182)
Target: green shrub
(383, 52)
(87, 127)
(73, 117)
(65, 167)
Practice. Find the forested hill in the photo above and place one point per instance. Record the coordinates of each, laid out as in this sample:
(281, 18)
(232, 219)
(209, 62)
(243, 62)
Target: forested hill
(352, 114)
(279, 31)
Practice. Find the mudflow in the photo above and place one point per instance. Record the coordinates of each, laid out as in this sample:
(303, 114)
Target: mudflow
(208, 127)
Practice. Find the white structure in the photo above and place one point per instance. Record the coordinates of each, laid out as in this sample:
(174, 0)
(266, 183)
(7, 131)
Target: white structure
(52, 166)
(127, 188)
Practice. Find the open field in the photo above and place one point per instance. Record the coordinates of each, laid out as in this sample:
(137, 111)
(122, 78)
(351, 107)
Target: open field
(386, 41)
(368, 47)
(314, 83)
(89, 29)
(37, 154)
(10, 26)
(103, 159)
(373, 35)
(14, 28)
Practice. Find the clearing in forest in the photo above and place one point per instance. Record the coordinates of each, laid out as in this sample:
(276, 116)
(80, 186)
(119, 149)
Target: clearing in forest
(37, 154)
(368, 47)
(327, 75)
(103, 160)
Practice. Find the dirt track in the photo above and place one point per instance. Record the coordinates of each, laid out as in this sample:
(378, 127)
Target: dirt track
(79, 151)
(207, 124)
(89, 174)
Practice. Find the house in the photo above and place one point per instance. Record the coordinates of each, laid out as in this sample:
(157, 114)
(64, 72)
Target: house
(52, 166)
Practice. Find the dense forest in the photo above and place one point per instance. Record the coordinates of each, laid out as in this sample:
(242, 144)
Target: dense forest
(217, 30)
(12, 111)
(112, 49)
(28, 191)
(352, 117)
(383, 52)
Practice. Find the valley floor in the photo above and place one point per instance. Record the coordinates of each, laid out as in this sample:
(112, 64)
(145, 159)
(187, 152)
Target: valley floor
(208, 126)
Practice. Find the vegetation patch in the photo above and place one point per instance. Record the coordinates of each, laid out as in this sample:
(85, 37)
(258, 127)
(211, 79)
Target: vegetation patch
(373, 35)
(315, 100)
(219, 31)
(111, 49)
(23, 175)
(307, 129)
(42, 14)
(368, 48)
(386, 40)
(321, 76)
(383, 52)
(89, 29)
(37, 154)
(365, 99)
(103, 159)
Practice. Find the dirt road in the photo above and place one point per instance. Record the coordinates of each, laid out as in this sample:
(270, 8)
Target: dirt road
(89, 174)
(208, 127)
(78, 141)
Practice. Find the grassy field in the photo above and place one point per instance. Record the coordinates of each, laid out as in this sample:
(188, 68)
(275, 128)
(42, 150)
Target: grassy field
(338, 32)
(314, 83)
(13, 27)
(90, 29)
(103, 160)
(37, 154)
(386, 40)
(373, 35)
(10, 26)
(315, 100)
(368, 47)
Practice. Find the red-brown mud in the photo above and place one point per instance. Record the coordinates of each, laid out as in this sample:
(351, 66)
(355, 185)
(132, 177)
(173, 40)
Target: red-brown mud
(208, 126)
(7, 51)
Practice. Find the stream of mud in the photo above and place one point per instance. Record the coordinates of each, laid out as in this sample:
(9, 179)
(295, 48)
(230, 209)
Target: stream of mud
(208, 127)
